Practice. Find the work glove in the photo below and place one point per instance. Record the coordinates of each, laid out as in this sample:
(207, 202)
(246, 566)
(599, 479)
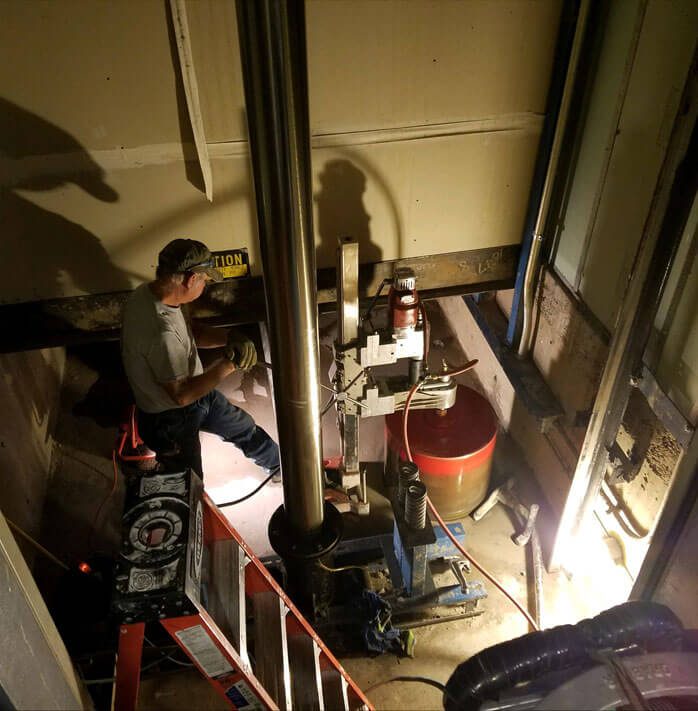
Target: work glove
(240, 351)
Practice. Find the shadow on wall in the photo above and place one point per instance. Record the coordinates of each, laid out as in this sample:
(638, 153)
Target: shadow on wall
(341, 212)
(40, 250)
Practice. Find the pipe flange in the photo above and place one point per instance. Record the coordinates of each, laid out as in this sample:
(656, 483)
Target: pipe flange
(289, 545)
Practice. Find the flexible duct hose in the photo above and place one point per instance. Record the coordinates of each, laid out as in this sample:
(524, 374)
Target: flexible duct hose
(525, 658)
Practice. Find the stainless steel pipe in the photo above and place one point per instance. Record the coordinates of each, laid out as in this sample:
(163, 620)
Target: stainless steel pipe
(532, 266)
(273, 52)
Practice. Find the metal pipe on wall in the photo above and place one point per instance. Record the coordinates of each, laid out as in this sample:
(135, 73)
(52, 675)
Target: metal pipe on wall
(273, 52)
(532, 271)
(568, 25)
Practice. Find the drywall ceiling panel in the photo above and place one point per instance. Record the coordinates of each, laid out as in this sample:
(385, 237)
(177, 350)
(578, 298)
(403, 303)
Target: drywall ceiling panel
(396, 63)
(96, 75)
(663, 56)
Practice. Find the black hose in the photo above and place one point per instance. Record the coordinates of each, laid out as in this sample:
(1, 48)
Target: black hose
(525, 658)
(247, 496)
(382, 285)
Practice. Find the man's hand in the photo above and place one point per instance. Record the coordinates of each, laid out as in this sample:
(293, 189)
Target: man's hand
(240, 351)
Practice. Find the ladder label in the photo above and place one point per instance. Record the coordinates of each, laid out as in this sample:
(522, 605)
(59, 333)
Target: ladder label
(203, 650)
(242, 697)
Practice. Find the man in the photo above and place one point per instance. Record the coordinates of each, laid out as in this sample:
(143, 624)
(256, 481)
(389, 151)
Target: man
(176, 398)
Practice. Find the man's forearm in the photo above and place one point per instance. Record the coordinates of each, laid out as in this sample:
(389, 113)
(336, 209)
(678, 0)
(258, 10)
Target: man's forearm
(187, 391)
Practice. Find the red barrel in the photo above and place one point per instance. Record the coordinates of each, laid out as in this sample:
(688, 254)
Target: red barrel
(453, 449)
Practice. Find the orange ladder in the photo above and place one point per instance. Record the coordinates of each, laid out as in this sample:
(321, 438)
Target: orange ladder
(292, 669)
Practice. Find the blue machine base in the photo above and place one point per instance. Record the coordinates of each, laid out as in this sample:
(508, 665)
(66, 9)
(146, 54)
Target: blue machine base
(410, 569)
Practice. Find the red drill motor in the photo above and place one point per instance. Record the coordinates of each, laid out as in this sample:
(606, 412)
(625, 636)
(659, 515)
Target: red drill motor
(403, 300)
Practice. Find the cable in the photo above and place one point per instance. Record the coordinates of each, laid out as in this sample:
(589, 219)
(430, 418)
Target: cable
(432, 508)
(383, 284)
(175, 648)
(426, 332)
(328, 405)
(419, 679)
(622, 512)
(38, 546)
(340, 569)
(146, 667)
(247, 496)
(104, 501)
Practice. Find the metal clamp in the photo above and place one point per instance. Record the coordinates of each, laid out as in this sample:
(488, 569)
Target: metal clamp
(461, 566)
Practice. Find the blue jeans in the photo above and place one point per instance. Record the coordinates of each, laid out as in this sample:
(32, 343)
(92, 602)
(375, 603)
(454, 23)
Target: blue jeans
(174, 434)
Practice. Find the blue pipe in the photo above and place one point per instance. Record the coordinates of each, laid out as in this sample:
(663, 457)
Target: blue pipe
(563, 49)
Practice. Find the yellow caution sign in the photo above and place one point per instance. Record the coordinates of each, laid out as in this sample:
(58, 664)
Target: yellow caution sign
(232, 263)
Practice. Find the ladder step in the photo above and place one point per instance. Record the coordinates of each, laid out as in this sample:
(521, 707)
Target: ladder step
(334, 687)
(306, 682)
(227, 593)
(271, 651)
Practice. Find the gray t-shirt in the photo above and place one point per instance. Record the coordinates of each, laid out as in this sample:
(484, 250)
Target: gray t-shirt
(157, 346)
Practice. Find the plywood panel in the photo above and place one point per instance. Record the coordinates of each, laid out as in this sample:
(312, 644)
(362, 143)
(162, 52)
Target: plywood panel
(36, 672)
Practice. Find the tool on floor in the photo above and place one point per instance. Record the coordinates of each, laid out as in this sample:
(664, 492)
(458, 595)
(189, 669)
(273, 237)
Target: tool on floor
(521, 539)
(184, 566)
(497, 495)
(505, 495)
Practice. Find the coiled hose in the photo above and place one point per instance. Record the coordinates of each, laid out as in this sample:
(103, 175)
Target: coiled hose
(503, 666)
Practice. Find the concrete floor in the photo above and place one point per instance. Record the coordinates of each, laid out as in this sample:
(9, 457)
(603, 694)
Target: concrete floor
(83, 477)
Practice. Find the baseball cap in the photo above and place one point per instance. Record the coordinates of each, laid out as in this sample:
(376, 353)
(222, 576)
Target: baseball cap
(187, 255)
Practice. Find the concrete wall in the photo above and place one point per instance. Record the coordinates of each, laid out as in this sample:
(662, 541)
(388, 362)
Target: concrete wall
(426, 117)
(29, 392)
